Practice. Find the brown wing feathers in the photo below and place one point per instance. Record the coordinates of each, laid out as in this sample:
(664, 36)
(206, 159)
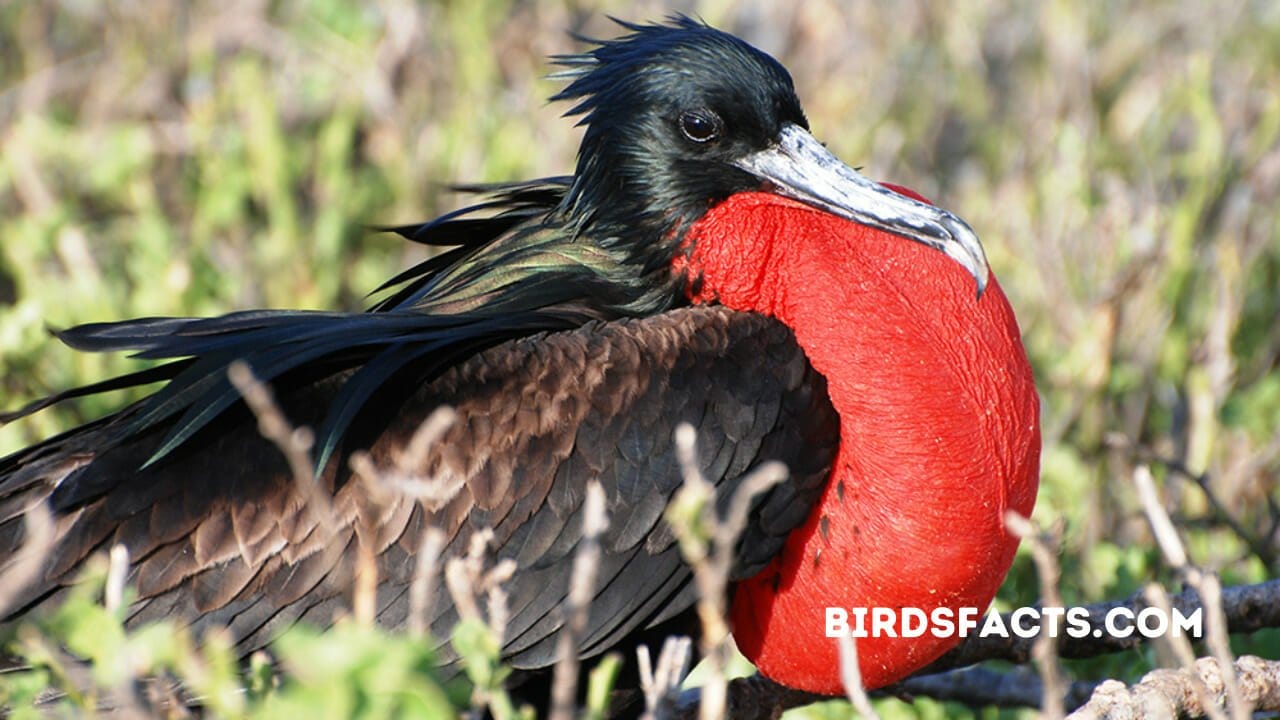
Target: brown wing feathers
(220, 535)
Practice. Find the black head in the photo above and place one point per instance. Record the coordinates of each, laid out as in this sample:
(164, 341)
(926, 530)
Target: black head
(667, 109)
(680, 116)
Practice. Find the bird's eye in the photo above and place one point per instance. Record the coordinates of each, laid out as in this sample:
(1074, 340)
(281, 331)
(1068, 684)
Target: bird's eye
(700, 126)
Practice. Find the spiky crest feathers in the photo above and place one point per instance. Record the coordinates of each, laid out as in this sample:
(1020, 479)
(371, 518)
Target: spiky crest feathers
(628, 93)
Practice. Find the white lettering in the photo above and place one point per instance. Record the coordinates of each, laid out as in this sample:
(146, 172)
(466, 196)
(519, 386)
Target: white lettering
(882, 622)
(1152, 623)
(1019, 628)
(859, 622)
(993, 626)
(1078, 622)
(837, 622)
(943, 626)
(1192, 624)
(1115, 630)
(910, 630)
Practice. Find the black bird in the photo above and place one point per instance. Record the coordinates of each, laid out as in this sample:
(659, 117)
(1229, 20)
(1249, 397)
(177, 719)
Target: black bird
(708, 262)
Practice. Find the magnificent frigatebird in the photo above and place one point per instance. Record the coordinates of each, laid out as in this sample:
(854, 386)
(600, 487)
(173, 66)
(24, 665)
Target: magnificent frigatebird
(708, 262)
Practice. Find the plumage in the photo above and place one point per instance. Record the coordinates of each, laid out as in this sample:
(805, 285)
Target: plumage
(224, 534)
(703, 264)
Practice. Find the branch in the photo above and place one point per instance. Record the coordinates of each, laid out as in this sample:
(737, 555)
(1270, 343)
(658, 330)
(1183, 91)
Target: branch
(1044, 551)
(1210, 591)
(982, 687)
(1263, 546)
(758, 698)
(27, 564)
(582, 588)
(1173, 693)
(708, 543)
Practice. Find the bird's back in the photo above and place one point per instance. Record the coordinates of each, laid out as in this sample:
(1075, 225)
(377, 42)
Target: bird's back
(221, 534)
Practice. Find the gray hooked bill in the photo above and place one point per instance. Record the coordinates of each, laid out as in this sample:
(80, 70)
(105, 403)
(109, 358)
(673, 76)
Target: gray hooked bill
(800, 167)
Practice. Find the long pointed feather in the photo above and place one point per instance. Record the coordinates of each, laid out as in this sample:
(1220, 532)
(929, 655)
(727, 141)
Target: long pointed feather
(357, 390)
(521, 270)
(133, 379)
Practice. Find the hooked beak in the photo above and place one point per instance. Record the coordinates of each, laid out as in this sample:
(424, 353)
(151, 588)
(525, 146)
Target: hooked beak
(800, 167)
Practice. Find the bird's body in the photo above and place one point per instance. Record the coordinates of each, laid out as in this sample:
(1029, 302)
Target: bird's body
(668, 280)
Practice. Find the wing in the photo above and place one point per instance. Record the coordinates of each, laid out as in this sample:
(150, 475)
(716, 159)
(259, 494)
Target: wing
(514, 273)
(220, 535)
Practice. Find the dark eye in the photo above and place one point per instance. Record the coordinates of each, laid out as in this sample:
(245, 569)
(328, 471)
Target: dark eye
(700, 126)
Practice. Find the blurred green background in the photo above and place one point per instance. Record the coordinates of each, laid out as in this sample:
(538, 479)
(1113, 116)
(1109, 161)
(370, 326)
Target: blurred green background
(1121, 161)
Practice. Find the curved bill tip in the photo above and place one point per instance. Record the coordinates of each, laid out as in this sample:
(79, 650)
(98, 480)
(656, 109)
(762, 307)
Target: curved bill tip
(798, 166)
(964, 247)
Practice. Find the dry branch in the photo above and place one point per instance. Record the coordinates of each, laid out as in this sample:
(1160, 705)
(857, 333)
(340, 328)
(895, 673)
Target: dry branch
(1173, 693)
(26, 565)
(661, 685)
(983, 687)
(1044, 548)
(708, 544)
(294, 443)
(1210, 590)
(582, 587)
(851, 678)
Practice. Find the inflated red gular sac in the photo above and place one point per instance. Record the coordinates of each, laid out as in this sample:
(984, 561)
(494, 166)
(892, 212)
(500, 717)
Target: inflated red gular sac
(939, 431)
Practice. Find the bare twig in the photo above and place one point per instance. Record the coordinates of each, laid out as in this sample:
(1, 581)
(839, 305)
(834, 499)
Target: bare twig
(1264, 546)
(1179, 648)
(1161, 526)
(406, 476)
(582, 586)
(496, 597)
(1218, 641)
(851, 677)
(117, 572)
(707, 543)
(467, 579)
(405, 479)
(364, 597)
(1044, 651)
(1206, 583)
(423, 587)
(414, 456)
(662, 685)
(26, 565)
(295, 444)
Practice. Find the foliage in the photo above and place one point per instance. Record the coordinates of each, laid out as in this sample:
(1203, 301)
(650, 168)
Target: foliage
(347, 672)
(1121, 161)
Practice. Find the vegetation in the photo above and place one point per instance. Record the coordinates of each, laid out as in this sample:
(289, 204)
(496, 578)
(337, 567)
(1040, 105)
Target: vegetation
(1121, 161)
